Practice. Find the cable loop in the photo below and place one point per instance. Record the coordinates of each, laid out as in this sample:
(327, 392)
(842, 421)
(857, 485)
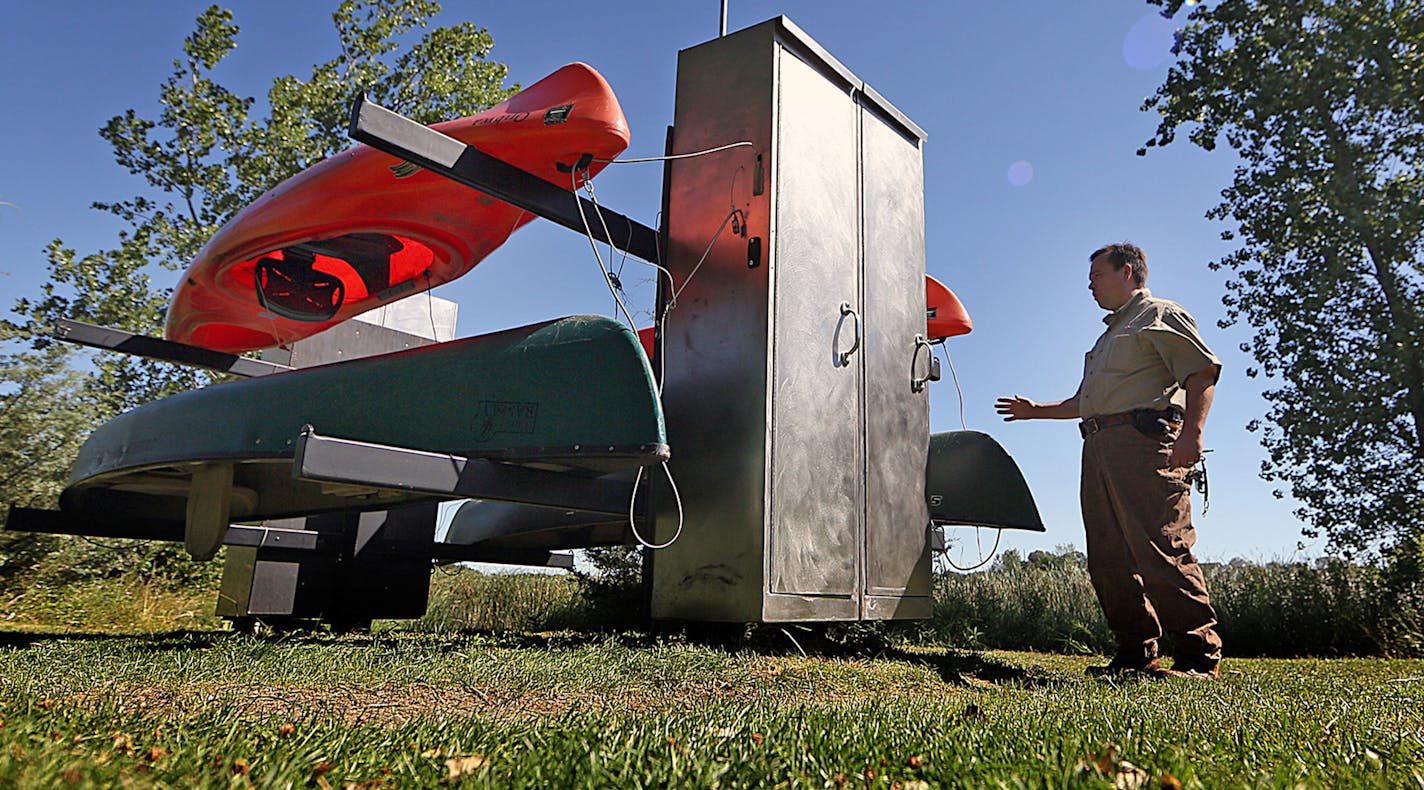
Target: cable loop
(954, 374)
(743, 143)
(614, 286)
(633, 525)
(983, 561)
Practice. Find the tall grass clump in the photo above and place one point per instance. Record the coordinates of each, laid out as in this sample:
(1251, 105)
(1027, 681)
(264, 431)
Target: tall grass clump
(467, 600)
(1043, 603)
(64, 560)
(1331, 607)
(604, 593)
(64, 583)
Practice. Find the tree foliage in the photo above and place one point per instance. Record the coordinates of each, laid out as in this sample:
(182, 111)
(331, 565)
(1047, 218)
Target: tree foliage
(207, 153)
(44, 416)
(1322, 100)
(612, 585)
(45, 413)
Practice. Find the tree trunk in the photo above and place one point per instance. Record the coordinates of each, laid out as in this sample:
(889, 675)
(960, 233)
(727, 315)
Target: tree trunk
(1403, 318)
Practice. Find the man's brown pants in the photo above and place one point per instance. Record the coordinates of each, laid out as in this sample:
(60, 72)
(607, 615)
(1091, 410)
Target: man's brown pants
(1138, 516)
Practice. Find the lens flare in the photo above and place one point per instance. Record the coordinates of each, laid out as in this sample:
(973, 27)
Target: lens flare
(1148, 43)
(1020, 173)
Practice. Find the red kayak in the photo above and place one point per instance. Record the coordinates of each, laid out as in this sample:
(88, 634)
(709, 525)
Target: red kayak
(945, 316)
(364, 228)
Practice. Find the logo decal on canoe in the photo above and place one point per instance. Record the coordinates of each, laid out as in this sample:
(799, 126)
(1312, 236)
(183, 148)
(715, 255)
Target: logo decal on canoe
(492, 417)
(506, 117)
(405, 169)
(556, 115)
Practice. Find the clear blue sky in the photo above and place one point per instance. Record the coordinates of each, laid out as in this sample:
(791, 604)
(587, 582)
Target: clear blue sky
(1054, 85)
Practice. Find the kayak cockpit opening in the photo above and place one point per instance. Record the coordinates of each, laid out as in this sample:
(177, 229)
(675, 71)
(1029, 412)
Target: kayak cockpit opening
(311, 281)
(369, 254)
(292, 288)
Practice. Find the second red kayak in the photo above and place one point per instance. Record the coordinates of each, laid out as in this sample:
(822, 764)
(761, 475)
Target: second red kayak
(364, 228)
(945, 316)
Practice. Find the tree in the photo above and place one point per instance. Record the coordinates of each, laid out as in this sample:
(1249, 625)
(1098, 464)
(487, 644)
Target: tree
(43, 420)
(1321, 99)
(204, 157)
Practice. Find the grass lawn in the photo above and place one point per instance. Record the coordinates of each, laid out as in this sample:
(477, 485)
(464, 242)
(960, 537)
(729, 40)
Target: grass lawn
(400, 708)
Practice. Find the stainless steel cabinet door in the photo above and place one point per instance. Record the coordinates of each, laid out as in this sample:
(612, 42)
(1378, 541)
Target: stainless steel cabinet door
(897, 416)
(817, 484)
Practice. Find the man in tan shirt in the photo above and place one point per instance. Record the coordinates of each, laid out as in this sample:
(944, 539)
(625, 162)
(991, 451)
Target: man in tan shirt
(1146, 390)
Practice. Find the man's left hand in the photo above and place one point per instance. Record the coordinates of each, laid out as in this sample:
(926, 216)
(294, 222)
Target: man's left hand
(1186, 450)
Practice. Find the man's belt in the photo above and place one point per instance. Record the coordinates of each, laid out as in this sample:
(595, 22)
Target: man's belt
(1092, 425)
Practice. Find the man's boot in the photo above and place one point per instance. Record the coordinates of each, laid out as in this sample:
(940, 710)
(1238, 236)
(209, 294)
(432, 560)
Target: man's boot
(1195, 668)
(1134, 659)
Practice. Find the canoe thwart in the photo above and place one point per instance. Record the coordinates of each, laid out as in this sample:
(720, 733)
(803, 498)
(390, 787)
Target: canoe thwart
(209, 510)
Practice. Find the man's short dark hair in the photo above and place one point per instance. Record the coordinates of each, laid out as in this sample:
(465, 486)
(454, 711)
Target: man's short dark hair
(1125, 254)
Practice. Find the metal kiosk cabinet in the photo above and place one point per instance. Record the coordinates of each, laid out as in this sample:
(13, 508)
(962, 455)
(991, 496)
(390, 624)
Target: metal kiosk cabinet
(799, 436)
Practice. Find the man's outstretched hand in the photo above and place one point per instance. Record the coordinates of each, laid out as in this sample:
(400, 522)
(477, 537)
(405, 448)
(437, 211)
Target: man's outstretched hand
(1016, 408)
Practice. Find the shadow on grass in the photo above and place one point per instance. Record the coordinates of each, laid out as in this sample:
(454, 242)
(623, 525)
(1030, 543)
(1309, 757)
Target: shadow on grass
(848, 642)
(963, 668)
(159, 641)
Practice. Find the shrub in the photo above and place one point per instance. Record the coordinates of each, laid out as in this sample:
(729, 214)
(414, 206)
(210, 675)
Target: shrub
(466, 600)
(1331, 607)
(612, 588)
(1045, 603)
(604, 593)
(61, 560)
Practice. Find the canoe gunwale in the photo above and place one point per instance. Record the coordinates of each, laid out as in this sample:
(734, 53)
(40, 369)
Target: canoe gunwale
(567, 456)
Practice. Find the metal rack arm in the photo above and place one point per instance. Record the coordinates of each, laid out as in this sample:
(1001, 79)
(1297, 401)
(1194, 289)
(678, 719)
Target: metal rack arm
(439, 153)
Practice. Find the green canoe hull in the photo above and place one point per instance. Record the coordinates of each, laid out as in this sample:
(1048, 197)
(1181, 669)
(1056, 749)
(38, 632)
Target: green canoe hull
(515, 526)
(540, 395)
(971, 480)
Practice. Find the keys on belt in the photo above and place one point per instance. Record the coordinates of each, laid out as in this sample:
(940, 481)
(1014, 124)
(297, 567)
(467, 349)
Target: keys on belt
(1092, 425)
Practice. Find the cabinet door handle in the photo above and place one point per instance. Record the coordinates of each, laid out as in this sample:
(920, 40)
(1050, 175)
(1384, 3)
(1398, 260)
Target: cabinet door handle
(847, 310)
(917, 383)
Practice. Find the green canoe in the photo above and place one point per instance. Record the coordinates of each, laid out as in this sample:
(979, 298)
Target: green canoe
(971, 480)
(573, 395)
